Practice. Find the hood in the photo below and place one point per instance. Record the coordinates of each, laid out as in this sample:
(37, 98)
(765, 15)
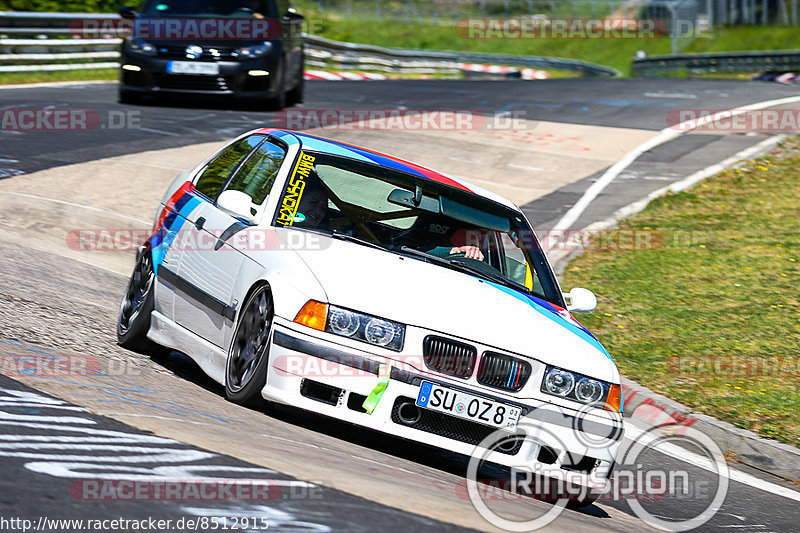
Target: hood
(417, 293)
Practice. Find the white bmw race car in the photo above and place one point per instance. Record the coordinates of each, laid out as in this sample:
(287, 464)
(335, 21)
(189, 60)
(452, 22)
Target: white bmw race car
(368, 289)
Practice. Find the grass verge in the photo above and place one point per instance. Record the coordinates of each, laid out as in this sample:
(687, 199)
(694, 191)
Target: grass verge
(100, 74)
(710, 316)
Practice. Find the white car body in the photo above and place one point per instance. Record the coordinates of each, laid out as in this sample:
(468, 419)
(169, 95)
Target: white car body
(200, 292)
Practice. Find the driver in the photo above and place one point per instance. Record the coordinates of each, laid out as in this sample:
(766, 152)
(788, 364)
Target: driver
(313, 205)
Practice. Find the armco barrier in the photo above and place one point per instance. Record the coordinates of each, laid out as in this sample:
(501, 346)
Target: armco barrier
(66, 48)
(775, 60)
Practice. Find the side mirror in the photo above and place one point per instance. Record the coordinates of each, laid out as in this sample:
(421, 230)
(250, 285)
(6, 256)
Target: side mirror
(239, 205)
(127, 12)
(581, 301)
(292, 14)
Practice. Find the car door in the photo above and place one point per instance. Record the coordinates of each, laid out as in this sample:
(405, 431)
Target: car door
(214, 255)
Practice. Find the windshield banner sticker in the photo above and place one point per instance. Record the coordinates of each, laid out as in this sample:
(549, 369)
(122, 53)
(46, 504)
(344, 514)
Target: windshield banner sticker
(294, 191)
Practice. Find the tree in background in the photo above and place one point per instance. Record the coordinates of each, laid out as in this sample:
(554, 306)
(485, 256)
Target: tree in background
(81, 6)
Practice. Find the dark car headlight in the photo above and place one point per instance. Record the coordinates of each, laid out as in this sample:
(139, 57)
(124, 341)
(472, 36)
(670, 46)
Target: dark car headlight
(346, 323)
(580, 388)
(254, 51)
(138, 46)
(366, 328)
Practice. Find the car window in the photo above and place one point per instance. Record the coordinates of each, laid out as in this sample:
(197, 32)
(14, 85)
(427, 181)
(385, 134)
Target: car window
(213, 178)
(517, 267)
(256, 177)
(403, 213)
(370, 194)
(211, 8)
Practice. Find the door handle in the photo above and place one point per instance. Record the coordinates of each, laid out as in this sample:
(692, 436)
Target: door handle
(199, 224)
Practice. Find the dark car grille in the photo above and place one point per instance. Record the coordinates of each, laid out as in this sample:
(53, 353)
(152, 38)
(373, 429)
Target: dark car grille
(180, 82)
(179, 52)
(449, 357)
(503, 371)
(453, 428)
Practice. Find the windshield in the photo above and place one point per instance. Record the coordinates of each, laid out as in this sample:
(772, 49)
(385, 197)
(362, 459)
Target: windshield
(401, 213)
(210, 8)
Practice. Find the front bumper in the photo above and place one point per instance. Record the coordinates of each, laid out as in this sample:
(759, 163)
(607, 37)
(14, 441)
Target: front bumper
(333, 380)
(233, 78)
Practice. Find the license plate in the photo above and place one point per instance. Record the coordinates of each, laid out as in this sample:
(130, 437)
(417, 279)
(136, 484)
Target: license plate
(464, 405)
(192, 67)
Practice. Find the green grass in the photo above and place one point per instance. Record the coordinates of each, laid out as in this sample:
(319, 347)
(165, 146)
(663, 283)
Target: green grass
(616, 53)
(723, 284)
(8, 78)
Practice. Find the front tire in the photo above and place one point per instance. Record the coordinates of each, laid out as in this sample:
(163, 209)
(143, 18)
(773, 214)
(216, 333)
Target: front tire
(129, 97)
(246, 367)
(297, 94)
(137, 305)
(278, 102)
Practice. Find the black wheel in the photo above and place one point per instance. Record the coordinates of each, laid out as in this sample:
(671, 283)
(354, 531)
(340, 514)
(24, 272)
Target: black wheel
(246, 368)
(137, 305)
(278, 102)
(297, 94)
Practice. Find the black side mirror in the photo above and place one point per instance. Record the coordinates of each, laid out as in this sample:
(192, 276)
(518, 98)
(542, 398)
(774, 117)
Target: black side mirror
(127, 12)
(292, 14)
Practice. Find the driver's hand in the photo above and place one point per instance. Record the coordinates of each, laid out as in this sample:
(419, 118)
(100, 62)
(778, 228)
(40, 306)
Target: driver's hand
(471, 252)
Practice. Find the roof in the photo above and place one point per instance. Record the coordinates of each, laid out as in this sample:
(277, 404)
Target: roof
(321, 144)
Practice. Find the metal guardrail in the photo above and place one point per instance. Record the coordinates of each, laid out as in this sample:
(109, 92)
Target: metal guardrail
(26, 54)
(362, 55)
(776, 60)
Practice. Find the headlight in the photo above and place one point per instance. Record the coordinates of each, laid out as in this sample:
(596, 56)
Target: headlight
(559, 382)
(141, 47)
(366, 328)
(343, 322)
(589, 390)
(252, 52)
(583, 389)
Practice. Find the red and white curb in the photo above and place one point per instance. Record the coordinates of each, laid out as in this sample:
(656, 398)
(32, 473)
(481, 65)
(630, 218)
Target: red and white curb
(525, 74)
(339, 76)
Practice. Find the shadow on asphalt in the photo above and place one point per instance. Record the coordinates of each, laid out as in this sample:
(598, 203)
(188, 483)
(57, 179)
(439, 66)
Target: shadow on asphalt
(450, 462)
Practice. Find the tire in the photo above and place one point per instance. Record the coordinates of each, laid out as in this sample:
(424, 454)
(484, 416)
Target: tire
(278, 102)
(246, 366)
(137, 306)
(297, 94)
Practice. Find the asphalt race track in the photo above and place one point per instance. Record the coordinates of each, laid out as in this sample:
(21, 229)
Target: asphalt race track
(158, 417)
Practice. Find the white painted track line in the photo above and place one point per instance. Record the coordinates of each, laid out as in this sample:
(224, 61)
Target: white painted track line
(667, 134)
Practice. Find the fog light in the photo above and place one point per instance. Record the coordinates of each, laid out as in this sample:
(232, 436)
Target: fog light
(132, 68)
(258, 73)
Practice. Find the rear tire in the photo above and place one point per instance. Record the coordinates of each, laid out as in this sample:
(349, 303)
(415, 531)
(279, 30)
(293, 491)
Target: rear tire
(246, 367)
(137, 306)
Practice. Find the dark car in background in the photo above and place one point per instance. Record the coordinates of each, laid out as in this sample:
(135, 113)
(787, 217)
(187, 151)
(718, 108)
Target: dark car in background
(245, 49)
